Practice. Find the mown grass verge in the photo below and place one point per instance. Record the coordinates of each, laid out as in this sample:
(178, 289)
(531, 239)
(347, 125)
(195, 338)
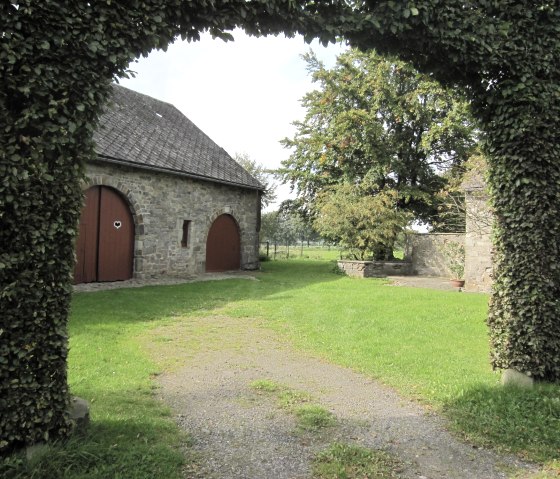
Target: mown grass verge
(131, 435)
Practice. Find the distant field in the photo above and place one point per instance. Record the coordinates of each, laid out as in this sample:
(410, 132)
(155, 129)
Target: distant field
(327, 253)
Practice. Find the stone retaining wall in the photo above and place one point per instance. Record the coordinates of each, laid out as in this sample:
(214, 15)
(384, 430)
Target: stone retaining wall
(374, 269)
(424, 251)
(160, 203)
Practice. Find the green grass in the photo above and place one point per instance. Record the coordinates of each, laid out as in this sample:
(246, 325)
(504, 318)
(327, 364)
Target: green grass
(321, 253)
(266, 385)
(317, 253)
(131, 435)
(430, 345)
(345, 461)
(313, 418)
(310, 417)
(291, 399)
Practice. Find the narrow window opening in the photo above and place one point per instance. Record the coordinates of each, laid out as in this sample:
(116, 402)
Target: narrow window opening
(185, 237)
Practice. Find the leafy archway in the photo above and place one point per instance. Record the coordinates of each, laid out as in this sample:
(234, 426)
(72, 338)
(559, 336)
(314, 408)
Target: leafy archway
(57, 59)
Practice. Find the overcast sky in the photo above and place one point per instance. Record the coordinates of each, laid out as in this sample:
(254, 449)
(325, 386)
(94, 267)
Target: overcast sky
(243, 94)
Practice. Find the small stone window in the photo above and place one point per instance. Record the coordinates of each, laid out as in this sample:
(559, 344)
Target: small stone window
(185, 236)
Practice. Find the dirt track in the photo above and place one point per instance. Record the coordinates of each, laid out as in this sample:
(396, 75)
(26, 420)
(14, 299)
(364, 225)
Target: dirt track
(241, 433)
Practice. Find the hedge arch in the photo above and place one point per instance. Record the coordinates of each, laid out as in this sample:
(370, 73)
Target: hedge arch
(57, 59)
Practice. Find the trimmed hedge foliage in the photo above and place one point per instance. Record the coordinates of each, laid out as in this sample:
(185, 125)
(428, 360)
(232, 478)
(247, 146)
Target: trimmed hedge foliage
(57, 59)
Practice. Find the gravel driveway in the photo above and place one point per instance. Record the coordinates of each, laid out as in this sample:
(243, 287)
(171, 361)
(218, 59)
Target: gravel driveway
(239, 432)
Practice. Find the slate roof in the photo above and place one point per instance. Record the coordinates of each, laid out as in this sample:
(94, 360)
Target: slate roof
(140, 131)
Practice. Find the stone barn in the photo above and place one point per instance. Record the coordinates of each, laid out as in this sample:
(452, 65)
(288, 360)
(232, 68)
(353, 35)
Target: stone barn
(162, 199)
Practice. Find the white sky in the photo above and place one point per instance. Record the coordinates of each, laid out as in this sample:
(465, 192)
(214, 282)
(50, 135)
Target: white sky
(243, 94)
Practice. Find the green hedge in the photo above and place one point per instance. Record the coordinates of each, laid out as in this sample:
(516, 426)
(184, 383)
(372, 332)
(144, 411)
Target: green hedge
(58, 57)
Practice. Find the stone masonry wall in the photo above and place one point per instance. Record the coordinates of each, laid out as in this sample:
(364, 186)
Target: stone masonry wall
(424, 251)
(161, 202)
(374, 269)
(478, 242)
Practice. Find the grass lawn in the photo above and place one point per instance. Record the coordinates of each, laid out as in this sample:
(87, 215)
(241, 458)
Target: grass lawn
(430, 345)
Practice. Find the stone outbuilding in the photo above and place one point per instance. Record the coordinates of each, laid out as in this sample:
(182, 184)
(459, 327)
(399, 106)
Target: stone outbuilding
(426, 251)
(162, 199)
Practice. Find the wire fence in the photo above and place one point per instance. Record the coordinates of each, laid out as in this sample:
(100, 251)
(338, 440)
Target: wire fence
(273, 251)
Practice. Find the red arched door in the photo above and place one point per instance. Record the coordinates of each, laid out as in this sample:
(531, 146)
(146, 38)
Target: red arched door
(223, 246)
(105, 244)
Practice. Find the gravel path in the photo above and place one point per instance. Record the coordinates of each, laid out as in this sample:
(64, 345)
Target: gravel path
(139, 283)
(240, 433)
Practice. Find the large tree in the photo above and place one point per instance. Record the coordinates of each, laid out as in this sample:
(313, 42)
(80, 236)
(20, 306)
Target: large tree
(58, 57)
(378, 122)
(360, 223)
(261, 174)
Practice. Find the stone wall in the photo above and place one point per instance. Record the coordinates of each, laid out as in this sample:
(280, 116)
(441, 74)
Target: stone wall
(478, 241)
(425, 252)
(374, 269)
(160, 203)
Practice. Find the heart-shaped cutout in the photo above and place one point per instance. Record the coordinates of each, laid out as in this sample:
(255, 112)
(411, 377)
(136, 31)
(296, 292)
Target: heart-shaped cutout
(117, 224)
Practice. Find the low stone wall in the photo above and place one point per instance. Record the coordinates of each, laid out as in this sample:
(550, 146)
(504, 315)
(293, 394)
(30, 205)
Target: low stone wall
(374, 269)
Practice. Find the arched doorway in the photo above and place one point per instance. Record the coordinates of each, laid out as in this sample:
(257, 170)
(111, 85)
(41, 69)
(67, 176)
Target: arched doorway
(223, 246)
(105, 244)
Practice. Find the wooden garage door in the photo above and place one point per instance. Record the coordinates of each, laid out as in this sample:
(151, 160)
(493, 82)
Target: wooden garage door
(105, 244)
(223, 246)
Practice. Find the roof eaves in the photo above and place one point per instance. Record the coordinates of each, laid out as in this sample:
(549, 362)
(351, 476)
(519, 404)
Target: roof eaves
(161, 169)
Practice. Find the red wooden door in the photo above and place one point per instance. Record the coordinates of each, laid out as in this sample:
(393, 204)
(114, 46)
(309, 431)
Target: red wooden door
(88, 236)
(223, 246)
(105, 245)
(116, 238)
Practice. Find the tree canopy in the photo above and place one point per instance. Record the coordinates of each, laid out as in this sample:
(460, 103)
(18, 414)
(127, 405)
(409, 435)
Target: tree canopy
(378, 122)
(362, 224)
(58, 57)
(261, 174)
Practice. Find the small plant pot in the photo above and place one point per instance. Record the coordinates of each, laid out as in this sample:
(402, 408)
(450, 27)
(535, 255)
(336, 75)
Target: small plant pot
(458, 283)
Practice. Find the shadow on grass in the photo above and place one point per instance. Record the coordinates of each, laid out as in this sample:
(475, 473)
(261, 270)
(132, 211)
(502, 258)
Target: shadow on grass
(524, 421)
(109, 449)
(131, 435)
(114, 308)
